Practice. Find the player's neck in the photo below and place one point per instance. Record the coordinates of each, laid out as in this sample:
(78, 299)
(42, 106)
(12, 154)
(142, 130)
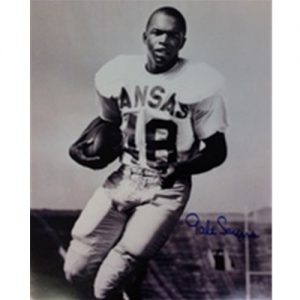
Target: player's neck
(153, 68)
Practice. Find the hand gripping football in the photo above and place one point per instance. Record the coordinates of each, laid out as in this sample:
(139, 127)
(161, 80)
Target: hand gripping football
(104, 141)
(99, 144)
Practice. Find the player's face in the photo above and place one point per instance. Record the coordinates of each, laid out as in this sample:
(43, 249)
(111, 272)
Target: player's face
(164, 38)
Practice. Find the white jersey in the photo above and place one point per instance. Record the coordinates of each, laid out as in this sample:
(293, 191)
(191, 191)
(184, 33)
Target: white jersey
(163, 116)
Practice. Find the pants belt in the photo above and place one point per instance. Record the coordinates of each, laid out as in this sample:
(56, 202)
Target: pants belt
(130, 170)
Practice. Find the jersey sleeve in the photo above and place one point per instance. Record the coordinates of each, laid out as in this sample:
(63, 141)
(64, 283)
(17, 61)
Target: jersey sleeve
(108, 79)
(199, 81)
(108, 109)
(108, 83)
(209, 116)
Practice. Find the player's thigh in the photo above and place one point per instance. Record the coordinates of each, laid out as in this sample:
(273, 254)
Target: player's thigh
(151, 224)
(98, 218)
(95, 232)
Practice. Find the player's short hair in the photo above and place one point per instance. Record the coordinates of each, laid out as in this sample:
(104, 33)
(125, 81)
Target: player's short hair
(170, 11)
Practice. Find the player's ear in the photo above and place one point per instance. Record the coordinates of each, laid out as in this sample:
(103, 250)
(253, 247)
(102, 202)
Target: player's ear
(144, 36)
(183, 42)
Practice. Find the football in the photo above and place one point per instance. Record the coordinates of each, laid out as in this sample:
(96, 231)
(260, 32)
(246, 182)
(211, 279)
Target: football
(104, 141)
(98, 145)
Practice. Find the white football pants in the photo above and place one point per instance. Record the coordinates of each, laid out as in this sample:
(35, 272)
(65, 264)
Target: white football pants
(125, 222)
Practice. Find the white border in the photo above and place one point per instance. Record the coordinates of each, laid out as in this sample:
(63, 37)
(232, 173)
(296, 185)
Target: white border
(14, 52)
(14, 70)
(286, 119)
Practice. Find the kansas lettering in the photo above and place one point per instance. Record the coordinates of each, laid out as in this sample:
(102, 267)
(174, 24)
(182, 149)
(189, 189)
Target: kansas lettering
(155, 98)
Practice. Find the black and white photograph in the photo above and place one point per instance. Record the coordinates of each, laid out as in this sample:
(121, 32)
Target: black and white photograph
(150, 150)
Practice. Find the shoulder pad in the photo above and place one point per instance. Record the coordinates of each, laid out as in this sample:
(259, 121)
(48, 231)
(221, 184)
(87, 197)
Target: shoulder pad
(199, 81)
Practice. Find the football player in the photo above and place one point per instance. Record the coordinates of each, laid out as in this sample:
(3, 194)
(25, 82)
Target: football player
(172, 116)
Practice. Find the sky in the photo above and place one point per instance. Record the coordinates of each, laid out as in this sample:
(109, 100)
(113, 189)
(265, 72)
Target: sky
(71, 40)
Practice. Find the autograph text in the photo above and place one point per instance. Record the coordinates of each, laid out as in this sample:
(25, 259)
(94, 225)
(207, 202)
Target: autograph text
(218, 227)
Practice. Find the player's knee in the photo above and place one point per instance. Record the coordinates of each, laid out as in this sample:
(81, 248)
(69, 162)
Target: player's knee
(134, 252)
(76, 266)
(115, 269)
(112, 295)
(72, 274)
(72, 268)
(141, 250)
(76, 274)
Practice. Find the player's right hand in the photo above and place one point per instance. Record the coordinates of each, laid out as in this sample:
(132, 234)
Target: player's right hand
(98, 145)
(77, 152)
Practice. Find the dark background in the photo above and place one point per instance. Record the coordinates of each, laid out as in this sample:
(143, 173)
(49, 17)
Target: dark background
(189, 266)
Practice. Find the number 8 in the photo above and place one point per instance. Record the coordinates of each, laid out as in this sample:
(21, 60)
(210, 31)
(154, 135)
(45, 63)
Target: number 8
(167, 142)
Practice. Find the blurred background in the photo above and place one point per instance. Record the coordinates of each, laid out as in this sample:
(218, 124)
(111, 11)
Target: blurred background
(190, 266)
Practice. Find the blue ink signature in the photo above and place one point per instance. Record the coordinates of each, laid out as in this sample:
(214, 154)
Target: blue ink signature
(221, 228)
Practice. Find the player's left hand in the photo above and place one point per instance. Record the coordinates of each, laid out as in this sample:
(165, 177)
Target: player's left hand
(169, 177)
